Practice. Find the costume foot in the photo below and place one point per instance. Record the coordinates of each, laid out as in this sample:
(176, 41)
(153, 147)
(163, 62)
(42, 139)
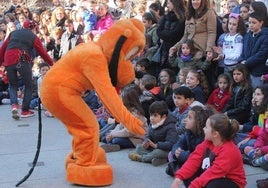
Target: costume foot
(100, 158)
(100, 174)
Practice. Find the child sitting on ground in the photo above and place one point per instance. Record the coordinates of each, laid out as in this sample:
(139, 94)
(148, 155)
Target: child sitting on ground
(217, 161)
(120, 137)
(187, 142)
(181, 97)
(160, 137)
(221, 95)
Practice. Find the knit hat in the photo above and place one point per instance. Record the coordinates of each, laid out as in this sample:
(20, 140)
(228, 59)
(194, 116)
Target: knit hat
(28, 24)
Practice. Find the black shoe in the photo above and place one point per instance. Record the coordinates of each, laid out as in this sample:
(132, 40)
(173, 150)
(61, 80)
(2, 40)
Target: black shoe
(246, 160)
(262, 183)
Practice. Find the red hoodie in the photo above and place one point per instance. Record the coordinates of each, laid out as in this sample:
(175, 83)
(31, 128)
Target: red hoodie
(227, 163)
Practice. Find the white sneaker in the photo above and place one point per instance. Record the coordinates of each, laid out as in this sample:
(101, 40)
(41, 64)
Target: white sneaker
(5, 101)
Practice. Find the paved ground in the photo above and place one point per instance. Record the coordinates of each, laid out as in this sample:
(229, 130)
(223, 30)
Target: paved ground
(18, 146)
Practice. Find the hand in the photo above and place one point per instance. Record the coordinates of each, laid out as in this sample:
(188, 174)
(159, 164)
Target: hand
(243, 62)
(176, 183)
(172, 50)
(109, 137)
(152, 144)
(178, 152)
(217, 50)
(111, 121)
(257, 152)
(209, 56)
(145, 143)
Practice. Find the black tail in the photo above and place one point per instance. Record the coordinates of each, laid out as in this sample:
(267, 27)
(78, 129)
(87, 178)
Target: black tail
(38, 146)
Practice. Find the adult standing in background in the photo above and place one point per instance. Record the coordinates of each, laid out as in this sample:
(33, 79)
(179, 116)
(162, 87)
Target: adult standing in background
(170, 29)
(200, 26)
(15, 53)
(69, 38)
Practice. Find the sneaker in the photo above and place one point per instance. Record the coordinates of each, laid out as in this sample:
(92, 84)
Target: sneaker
(260, 180)
(254, 163)
(25, 114)
(158, 161)
(15, 112)
(5, 101)
(110, 147)
(246, 159)
(134, 156)
(262, 183)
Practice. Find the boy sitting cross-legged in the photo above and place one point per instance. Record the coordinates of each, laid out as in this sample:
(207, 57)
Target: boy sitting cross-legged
(160, 137)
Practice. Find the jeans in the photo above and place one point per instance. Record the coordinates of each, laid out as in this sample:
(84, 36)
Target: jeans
(25, 70)
(123, 142)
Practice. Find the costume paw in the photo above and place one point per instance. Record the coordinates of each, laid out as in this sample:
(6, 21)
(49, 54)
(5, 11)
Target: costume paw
(100, 174)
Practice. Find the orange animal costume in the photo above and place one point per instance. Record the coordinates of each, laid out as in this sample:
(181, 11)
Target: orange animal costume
(93, 66)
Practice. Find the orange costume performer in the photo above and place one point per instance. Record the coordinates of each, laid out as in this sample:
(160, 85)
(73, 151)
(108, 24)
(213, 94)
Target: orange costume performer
(93, 66)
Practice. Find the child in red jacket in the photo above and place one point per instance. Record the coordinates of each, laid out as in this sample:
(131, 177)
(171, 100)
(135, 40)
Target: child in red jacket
(208, 165)
(221, 95)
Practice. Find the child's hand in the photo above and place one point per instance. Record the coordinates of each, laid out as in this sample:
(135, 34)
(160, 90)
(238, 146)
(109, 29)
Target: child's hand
(153, 145)
(257, 152)
(172, 50)
(111, 121)
(109, 137)
(178, 152)
(145, 143)
(209, 56)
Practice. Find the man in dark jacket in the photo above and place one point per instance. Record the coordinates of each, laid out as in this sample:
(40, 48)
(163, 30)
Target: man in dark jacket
(15, 54)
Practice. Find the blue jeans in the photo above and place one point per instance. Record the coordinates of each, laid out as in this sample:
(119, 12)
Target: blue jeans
(25, 70)
(123, 142)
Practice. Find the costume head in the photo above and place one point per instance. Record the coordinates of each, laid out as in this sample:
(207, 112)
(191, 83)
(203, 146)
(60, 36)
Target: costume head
(130, 33)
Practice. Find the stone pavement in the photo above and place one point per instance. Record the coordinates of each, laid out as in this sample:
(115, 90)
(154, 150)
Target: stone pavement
(18, 141)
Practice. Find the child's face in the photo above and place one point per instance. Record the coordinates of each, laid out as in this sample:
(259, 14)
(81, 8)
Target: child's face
(208, 130)
(190, 120)
(191, 80)
(254, 25)
(257, 97)
(179, 100)
(231, 6)
(185, 49)
(224, 24)
(223, 84)
(232, 25)
(156, 118)
(121, 3)
(170, 6)
(139, 68)
(238, 76)
(244, 13)
(164, 77)
(146, 23)
(44, 70)
(2, 35)
(182, 77)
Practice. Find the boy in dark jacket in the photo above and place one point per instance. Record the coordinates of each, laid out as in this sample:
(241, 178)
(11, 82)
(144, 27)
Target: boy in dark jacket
(160, 137)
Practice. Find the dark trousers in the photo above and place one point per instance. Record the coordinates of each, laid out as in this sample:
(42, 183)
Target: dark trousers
(216, 183)
(25, 70)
